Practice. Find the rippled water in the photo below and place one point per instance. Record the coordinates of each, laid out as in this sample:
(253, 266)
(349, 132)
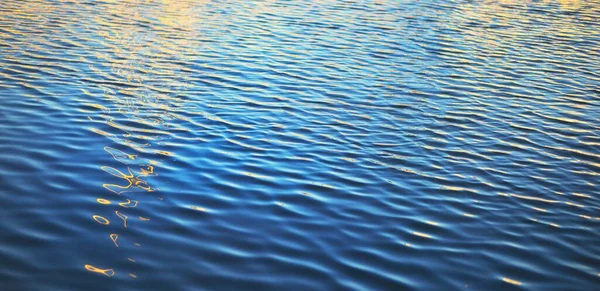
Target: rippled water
(302, 145)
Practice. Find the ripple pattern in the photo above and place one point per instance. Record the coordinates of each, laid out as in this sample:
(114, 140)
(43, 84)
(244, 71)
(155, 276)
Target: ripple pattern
(302, 145)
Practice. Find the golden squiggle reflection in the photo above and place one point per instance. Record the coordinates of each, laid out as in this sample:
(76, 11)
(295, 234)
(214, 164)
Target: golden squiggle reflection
(103, 201)
(133, 181)
(129, 204)
(114, 237)
(105, 272)
(101, 219)
(119, 155)
(139, 71)
(123, 217)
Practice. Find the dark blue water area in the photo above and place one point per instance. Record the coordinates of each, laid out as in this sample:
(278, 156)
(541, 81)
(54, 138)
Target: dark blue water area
(298, 145)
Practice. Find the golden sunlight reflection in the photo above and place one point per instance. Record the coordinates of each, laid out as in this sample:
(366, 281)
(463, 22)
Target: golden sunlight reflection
(421, 234)
(123, 217)
(133, 181)
(105, 272)
(511, 281)
(103, 201)
(129, 203)
(114, 237)
(504, 13)
(180, 13)
(101, 219)
(198, 208)
(146, 59)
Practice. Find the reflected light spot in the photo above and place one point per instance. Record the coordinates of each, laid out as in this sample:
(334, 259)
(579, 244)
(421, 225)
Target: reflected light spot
(122, 216)
(421, 234)
(164, 153)
(538, 209)
(129, 204)
(582, 195)
(147, 172)
(534, 198)
(101, 219)
(511, 281)
(114, 238)
(100, 132)
(119, 155)
(198, 208)
(102, 201)
(575, 204)
(106, 272)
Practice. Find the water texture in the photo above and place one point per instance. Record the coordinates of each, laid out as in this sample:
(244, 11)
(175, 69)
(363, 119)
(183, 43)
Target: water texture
(299, 145)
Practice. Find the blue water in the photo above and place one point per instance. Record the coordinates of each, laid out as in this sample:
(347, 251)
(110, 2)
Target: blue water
(299, 145)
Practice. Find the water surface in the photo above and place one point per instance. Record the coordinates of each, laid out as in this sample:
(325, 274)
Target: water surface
(299, 145)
